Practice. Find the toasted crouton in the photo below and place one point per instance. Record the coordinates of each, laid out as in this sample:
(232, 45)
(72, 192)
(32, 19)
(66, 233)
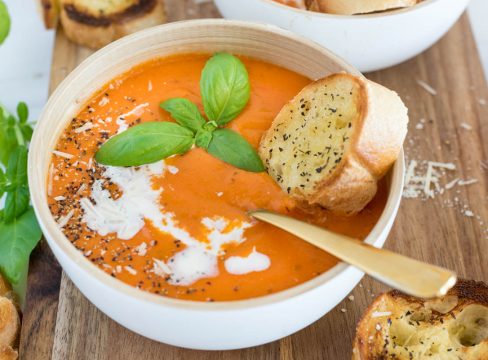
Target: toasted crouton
(352, 7)
(398, 326)
(9, 322)
(331, 144)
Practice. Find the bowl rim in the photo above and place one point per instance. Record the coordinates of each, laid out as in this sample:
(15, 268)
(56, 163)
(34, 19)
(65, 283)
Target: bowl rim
(386, 13)
(59, 242)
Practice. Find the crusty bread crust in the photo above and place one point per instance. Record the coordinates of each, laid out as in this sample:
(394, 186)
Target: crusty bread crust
(7, 353)
(9, 322)
(95, 31)
(377, 134)
(49, 10)
(352, 7)
(400, 326)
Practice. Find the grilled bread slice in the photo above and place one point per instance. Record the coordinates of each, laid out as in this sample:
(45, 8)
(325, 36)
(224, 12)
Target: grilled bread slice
(7, 353)
(331, 144)
(9, 322)
(96, 23)
(352, 7)
(398, 326)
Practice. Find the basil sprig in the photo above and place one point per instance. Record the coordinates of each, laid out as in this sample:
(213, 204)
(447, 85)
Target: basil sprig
(19, 229)
(225, 91)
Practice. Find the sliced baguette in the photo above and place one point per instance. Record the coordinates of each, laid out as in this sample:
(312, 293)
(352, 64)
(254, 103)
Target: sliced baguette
(95, 23)
(352, 7)
(398, 326)
(7, 353)
(331, 144)
(9, 322)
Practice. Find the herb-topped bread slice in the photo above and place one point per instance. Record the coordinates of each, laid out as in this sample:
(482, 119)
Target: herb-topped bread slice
(351, 7)
(331, 144)
(398, 326)
(95, 23)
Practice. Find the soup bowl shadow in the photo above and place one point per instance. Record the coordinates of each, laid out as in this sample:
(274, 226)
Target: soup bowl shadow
(196, 325)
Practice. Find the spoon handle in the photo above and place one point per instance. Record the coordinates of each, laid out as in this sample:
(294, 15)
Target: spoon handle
(411, 276)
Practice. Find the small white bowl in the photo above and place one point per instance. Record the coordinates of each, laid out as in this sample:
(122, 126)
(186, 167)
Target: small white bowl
(369, 42)
(197, 325)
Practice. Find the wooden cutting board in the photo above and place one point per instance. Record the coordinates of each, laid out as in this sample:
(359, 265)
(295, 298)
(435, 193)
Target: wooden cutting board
(450, 230)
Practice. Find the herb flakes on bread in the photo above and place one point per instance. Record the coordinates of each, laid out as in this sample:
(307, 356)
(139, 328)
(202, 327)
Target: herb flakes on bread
(353, 7)
(331, 144)
(96, 23)
(401, 327)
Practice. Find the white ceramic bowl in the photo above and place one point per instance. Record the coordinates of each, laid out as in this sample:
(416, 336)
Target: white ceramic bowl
(198, 325)
(369, 42)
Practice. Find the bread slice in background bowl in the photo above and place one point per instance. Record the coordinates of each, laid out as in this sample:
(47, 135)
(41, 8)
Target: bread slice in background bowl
(369, 42)
(197, 325)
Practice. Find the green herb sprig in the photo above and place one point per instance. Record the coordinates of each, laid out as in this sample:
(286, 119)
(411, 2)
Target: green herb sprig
(19, 229)
(225, 91)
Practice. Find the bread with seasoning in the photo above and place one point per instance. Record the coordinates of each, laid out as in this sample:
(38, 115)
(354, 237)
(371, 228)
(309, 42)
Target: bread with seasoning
(398, 326)
(331, 144)
(352, 7)
(96, 23)
(49, 10)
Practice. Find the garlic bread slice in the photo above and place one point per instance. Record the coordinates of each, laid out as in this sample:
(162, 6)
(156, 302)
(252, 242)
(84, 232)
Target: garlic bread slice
(95, 23)
(331, 144)
(398, 326)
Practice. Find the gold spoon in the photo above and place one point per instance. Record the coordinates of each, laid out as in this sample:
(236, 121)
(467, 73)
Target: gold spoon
(408, 275)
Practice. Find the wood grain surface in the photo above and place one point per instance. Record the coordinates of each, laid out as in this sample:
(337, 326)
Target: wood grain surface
(450, 230)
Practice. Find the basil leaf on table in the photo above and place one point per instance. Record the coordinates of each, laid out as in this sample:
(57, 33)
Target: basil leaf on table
(17, 240)
(184, 112)
(3, 182)
(145, 143)
(232, 148)
(225, 88)
(13, 132)
(4, 22)
(17, 200)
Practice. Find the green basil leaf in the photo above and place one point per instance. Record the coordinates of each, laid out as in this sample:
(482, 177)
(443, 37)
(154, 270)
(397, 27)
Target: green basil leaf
(203, 138)
(17, 200)
(4, 22)
(27, 132)
(3, 182)
(184, 112)
(22, 112)
(17, 240)
(16, 203)
(232, 148)
(145, 143)
(225, 88)
(17, 166)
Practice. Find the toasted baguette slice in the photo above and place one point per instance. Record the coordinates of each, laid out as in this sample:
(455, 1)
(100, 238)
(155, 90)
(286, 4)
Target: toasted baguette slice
(398, 326)
(331, 144)
(7, 353)
(95, 23)
(4, 287)
(352, 7)
(9, 322)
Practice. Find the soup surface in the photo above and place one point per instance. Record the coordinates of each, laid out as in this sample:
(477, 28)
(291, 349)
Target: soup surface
(179, 227)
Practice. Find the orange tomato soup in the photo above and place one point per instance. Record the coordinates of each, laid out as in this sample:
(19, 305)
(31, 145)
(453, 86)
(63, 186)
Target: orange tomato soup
(197, 186)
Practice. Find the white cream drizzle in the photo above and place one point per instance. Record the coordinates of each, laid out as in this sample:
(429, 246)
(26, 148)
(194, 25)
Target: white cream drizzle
(255, 261)
(140, 201)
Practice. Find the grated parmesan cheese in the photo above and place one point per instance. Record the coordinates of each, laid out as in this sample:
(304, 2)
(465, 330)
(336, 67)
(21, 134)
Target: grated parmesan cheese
(427, 87)
(86, 126)
(62, 154)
